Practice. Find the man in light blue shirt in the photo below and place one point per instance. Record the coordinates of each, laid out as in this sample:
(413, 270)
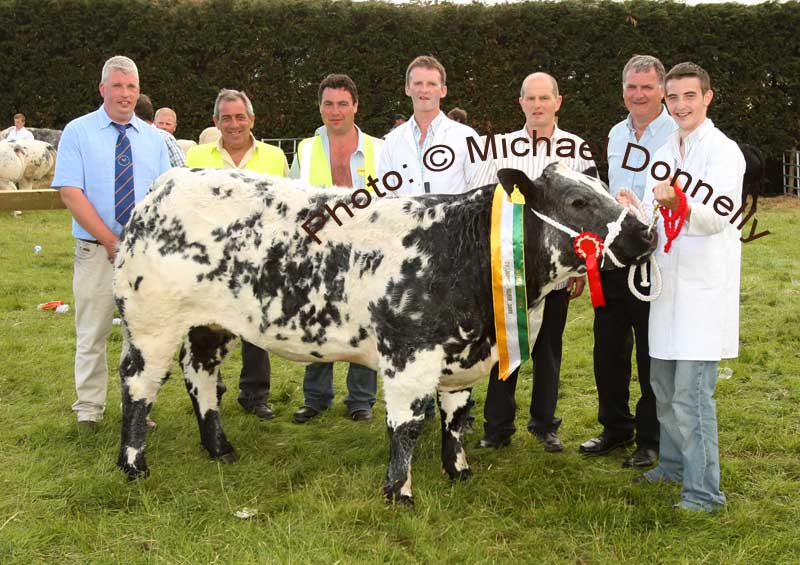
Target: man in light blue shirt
(86, 175)
(648, 125)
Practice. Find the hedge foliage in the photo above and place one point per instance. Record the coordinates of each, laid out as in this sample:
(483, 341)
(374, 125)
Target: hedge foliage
(279, 50)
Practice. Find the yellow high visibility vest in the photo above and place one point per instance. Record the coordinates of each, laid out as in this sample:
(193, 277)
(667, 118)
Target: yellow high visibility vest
(267, 159)
(315, 168)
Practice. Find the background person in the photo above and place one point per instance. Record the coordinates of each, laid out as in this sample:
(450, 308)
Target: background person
(106, 162)
(18, 131)
(144, 110)
(458, 115)
(166, 119)
(648, 124)
(237, 148)
(539, 100)
(339, 154)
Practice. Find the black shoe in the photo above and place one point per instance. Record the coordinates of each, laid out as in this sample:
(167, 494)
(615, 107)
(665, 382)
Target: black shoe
(604, 444)
(493, 442)
(549, 441)
(261, 410)
(359, 415)
(642, 457)
(304, 414)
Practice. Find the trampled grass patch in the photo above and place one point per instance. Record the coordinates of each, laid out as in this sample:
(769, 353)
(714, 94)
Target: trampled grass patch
(315, 488)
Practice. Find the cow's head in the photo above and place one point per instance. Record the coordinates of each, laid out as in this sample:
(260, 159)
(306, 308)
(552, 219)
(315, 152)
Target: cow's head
(580, 203)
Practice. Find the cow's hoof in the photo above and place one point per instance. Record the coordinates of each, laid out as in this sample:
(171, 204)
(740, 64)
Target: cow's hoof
(230, 457)
(134, 472)
(393, 495)
(461, 475)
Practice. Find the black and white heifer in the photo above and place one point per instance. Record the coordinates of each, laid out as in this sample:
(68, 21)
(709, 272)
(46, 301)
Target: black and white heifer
(403, 287)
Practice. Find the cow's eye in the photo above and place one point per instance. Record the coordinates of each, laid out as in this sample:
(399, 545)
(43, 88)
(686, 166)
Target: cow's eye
(579, 203)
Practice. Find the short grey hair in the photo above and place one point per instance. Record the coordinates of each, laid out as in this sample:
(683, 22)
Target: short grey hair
(231, 96)
(166, 110)
(552, 80)
(642, 64)
(119, 63)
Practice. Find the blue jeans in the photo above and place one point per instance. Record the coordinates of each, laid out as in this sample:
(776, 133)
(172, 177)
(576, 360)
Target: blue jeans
(362, 385)
(688, 446)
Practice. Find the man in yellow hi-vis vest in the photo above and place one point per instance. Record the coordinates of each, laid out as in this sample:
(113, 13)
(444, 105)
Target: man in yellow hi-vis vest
(339, 154)
(238, 149)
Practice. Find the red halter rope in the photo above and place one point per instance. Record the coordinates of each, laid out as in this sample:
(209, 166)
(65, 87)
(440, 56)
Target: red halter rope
(589, 247)
(673, 221)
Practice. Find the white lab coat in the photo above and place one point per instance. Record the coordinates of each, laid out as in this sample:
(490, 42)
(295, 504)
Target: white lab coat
(400, 154)
(696, 317)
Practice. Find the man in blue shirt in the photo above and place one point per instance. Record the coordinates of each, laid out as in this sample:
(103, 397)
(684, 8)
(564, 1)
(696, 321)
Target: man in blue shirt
(648, 125)
(87, 176)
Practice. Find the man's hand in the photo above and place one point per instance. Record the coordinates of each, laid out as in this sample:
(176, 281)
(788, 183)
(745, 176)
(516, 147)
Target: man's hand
(625, 197)
(110, 244)
(575, 286)
(665, 195)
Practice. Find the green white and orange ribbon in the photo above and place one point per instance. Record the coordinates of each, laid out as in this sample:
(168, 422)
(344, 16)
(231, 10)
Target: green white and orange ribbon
(508, 280)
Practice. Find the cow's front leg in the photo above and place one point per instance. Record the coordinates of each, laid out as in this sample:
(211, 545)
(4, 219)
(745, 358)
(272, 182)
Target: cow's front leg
(403, 437)
(202, 353)
(453, 409)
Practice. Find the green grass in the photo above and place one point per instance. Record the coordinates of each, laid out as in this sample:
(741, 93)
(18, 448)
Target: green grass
(316, 487)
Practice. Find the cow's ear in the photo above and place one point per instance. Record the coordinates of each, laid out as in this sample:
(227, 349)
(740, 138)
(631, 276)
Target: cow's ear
(510, 178)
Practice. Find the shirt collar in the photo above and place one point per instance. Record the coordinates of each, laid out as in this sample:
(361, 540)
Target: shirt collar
(557, 133)
(105, 121)
(322, 131)
(692, 139)
(657, 123)
(253, 145)
(431, 129)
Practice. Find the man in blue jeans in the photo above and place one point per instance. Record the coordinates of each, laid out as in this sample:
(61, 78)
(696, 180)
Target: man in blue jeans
(339, 154)
(695, 321)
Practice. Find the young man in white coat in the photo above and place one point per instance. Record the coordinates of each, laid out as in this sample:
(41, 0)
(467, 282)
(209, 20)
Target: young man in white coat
(695, 321)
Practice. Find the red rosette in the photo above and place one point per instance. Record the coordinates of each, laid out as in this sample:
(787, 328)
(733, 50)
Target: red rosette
(589, 247)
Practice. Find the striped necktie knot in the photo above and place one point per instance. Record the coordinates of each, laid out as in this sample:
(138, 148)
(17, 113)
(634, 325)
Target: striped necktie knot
(124, 197)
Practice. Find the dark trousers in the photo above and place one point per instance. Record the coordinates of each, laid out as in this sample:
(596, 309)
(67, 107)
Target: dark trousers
(254, 378)
(500, 407)
(613, 345)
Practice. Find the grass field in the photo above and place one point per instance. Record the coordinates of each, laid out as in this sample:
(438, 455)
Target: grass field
(316, 487)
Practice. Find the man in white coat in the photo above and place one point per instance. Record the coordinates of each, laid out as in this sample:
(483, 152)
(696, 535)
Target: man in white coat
(695, 322)
(429, 151)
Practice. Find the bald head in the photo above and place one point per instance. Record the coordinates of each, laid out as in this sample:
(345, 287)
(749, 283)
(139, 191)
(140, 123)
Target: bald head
(166, 119)
(538, 77)
(539, 100)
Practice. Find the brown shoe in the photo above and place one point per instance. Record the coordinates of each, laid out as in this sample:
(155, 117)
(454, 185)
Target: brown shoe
(362, 415)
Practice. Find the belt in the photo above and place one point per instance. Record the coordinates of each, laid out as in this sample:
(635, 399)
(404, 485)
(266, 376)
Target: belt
(93, 242)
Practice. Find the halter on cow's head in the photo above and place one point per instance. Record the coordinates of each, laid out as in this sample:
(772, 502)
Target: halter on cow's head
(561, 204)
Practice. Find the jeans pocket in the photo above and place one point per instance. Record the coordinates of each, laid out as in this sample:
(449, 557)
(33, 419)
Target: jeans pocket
(85, 251)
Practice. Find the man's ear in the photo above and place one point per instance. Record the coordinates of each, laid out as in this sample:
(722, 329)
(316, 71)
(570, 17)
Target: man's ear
(511, 178)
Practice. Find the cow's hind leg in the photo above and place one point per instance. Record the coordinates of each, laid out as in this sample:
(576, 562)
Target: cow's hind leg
(453, 409)
(143, 368)
(202, 354)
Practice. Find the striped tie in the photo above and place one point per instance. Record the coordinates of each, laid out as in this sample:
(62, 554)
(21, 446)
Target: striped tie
(123, 179)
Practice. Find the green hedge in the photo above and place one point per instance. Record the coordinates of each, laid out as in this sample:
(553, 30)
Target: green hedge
(278, 51)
